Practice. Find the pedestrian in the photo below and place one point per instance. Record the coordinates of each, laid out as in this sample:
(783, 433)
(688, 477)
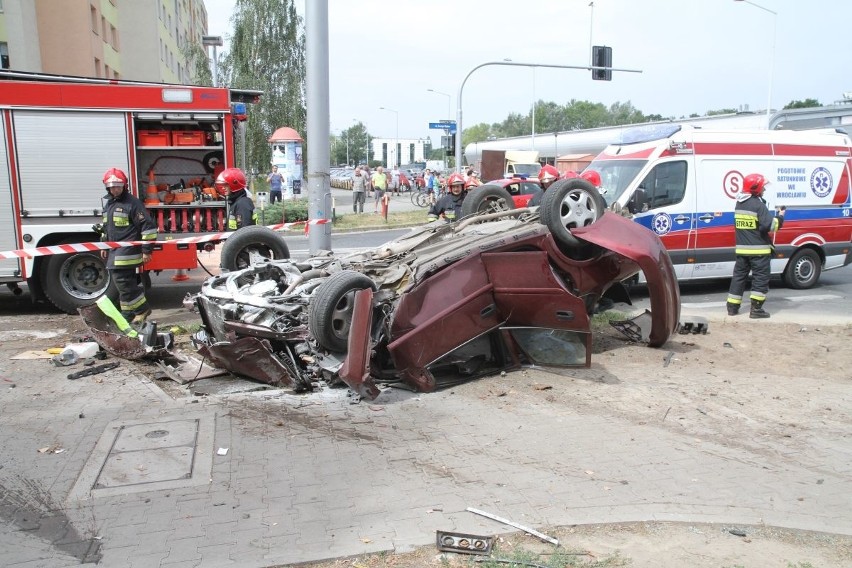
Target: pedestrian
(380, 185)
(450, 205)
(125, 218)
(232, 183)
(546, 177)
(394, 180)
(752, 223)
(359, 190)
(430, 182)
(276, 183)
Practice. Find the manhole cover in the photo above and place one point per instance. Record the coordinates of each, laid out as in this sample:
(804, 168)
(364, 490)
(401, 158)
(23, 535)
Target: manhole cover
(157, 433)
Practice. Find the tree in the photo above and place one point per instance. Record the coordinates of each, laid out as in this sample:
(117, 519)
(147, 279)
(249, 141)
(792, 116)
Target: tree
(197, 63)
(476, 133)
(807, 103)
(268, 54)
(721, 111)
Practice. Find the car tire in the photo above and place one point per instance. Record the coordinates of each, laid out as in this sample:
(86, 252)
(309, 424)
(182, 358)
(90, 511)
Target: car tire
(252, 241)
(803, 269)
(488, 198)
(72, 281)
(569, 204)
(211, 160)
(331, 307)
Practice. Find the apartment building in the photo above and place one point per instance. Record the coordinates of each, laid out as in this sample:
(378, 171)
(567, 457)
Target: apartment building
(138, 40)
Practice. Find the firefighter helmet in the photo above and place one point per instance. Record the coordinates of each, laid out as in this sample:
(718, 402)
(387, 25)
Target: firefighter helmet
(570, 174)
(592, 177)
(548, 174)
(114, 177)
(472, 182)
(455, 179)
(754, 184)
(232, 179)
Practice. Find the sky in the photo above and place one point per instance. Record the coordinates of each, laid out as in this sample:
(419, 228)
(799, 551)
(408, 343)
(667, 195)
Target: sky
(694, 56)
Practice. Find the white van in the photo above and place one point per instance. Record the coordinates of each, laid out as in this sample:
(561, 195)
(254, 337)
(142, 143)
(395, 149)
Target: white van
(681, 182)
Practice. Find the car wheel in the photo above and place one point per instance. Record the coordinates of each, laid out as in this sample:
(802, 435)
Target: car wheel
(803, 269)
(486, 198)
(252, 244)
(569, 204)
(331, 307)
(71, 281)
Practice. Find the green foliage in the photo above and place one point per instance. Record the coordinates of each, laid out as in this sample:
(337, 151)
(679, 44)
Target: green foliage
(288, 211)
(721, 111)
(268, 54)
(358, 140)
(198, 63)
(807, 103)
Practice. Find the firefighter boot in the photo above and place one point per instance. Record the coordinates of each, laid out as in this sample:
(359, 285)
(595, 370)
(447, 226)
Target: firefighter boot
(733, 309)
(757, 311)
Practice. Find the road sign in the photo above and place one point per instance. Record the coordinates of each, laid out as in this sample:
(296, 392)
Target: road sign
(445, 121)
(451, 127)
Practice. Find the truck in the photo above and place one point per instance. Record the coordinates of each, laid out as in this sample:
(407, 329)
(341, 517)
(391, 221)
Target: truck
(497, 164)
(682, 183)
(60, 134)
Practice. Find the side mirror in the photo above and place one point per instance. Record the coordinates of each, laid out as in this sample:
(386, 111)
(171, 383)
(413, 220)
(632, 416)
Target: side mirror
(638, 202)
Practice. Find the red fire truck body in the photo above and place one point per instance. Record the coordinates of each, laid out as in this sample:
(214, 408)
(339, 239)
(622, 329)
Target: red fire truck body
(59, 135)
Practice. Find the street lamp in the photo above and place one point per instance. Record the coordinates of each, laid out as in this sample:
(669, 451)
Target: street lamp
(395, 140)
(771, 57)
(446, 130)
(214, 42)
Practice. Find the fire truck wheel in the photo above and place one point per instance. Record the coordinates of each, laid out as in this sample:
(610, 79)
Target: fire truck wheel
(570, 204)
(72, 281)
(487, 198)
(211, 160)
(330, 310)
(803, 269)
(251, 245)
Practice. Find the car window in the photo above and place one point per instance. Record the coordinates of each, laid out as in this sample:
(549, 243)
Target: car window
(528, 188)
(664, 185)
(554, 347)
(513, 189)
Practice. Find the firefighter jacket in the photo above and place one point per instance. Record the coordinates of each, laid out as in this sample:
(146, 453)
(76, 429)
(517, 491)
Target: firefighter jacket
(449, 205)
(753, 223)
(241, 212)
(126, 219)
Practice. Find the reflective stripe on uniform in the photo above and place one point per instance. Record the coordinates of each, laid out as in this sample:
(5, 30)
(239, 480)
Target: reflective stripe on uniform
(734, 299)
(753, 250)
(134, 304)
(127, 259)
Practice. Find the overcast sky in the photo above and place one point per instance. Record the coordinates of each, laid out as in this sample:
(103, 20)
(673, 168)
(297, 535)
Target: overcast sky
(695, 56)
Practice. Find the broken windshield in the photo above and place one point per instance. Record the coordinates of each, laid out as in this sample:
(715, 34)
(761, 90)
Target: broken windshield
(616, 176)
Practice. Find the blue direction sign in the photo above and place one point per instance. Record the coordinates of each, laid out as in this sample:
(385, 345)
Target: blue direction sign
(451, 126)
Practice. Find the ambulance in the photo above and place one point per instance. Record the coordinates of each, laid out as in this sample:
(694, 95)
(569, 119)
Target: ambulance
(682, 182)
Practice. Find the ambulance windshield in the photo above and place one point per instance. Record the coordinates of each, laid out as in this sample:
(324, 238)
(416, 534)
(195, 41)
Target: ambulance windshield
(616, 176)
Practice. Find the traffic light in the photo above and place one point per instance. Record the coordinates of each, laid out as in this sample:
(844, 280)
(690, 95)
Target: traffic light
(602, 57)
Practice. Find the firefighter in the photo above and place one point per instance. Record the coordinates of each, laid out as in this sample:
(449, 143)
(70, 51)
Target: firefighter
(232, 183)
(546, 177)
(126, 219)
(450, 205)
(753, 222)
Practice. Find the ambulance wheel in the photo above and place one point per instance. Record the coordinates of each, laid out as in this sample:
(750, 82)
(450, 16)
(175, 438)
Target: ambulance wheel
(330, 310)
(252, 245)
(803, 269)
(486, 198)
(570, 204)
(71, 281)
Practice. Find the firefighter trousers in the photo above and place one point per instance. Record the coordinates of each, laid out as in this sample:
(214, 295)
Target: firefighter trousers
(131, 293)
(758, 265)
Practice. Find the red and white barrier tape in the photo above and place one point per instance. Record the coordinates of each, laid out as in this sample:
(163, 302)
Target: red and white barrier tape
(106, 245)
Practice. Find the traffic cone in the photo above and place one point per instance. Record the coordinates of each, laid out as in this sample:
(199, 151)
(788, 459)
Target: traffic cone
(151, 196)
(180, 275)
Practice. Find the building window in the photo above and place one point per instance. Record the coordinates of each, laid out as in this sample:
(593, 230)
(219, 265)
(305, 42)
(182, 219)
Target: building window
(114, 33)
(97, 67)
(4, 55)
(104, 29)
(106, 71)
(94, 14)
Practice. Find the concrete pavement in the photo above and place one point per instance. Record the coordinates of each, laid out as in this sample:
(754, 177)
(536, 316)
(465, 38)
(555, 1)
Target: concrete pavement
(110, 468)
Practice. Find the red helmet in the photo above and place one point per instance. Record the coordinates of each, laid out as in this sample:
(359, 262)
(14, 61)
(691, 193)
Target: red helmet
(754, 184)
(472, 182)
(114, 177)
(233, 178)
(592, 177)
(455, 178)
(548, 173)
(570, 174)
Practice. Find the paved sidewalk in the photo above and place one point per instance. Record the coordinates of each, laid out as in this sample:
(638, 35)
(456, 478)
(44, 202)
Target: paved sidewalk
(132, 478)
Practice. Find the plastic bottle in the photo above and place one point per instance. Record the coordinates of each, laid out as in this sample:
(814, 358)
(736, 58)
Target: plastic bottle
(83, 350)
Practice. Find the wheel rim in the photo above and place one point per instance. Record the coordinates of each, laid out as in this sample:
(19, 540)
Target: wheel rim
(493, 205)
(341, 316)
(577, 209)
(804, 270)
(83, 276)
(252, 255)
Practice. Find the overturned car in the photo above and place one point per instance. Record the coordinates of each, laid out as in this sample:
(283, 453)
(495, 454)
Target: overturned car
(445, 303)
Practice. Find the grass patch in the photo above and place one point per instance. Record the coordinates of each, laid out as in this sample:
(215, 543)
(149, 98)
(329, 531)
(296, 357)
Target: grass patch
(371, 221)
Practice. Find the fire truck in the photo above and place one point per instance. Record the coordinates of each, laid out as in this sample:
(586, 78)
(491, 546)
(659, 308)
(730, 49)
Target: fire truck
(60, 134)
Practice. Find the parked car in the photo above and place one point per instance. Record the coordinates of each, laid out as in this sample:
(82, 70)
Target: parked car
(519, 188)
(445, 303)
